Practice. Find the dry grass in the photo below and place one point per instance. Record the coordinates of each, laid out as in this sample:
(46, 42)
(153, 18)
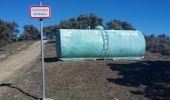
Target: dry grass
(13, 48)
(94, 80)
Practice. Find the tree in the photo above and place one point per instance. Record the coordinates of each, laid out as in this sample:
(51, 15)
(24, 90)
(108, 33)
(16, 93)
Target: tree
(114, 24)
(50, 31)
(81, 22)
(127, 26)
(95, 21)
(158, 44)
(84, 21)
(119, 25)
(8, 32)
(30, 33)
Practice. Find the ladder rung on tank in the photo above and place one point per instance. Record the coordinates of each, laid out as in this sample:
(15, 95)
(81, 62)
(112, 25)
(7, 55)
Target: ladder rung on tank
(105, 38)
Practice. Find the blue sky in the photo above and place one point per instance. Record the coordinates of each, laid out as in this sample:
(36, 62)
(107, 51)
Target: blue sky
(148, 16)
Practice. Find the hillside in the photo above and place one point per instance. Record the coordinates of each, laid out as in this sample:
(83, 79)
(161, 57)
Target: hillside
(92, 80)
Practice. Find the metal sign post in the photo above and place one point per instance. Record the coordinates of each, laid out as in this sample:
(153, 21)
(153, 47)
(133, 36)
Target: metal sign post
(42, 59)
(41, 12)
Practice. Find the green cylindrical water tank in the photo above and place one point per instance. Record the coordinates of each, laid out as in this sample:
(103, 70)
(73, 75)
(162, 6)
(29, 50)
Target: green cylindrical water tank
(79, 44)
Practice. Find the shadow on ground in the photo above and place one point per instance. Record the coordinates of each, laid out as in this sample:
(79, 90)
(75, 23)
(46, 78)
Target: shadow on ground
(9, 85)
(52, 41)
(150, 78)
(51, 59)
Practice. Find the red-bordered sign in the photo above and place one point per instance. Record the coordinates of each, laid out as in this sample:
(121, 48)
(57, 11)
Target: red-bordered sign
(40, 12)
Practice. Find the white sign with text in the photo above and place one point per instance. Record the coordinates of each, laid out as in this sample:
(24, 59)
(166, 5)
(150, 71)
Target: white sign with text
(40, 12)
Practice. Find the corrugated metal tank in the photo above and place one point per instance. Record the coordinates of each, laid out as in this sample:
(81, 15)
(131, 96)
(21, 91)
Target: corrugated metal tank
(76, 44)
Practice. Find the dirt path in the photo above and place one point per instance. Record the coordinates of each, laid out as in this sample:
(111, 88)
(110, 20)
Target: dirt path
(10, 66)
